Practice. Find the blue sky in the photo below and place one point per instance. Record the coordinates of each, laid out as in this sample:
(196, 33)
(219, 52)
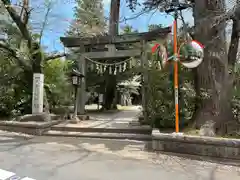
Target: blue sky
(62, 13)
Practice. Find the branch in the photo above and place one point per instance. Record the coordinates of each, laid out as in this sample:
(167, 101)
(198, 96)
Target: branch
(44, 23)
(13, 54)
(17, 19)
(55, 56)
(26, 15)
(25, 12)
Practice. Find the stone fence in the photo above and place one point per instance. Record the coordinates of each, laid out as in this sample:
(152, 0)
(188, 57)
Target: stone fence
(196, 145)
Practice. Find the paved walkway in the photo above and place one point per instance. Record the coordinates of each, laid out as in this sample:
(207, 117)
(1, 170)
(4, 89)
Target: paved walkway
(118, 119)
(51, 158)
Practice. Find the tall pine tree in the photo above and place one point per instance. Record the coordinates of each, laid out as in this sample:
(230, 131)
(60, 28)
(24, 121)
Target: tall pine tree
(88, 18)
(88, 21)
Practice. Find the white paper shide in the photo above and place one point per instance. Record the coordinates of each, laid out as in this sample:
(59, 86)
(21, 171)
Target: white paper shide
(37, 98)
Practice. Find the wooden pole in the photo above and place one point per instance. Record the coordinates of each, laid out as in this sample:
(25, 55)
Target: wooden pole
(176, 73)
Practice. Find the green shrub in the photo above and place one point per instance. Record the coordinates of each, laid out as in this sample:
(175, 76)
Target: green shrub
(161, 105)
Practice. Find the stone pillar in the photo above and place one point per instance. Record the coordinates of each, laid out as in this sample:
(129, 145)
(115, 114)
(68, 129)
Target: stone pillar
(37, 94)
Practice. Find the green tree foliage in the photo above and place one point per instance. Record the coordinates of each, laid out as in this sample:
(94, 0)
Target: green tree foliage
(128, 30)
(14, 89)
(58, 82)
(161, 106)
(14, 94)
(11, 90)
(154, 26)
(88, 19)
(160, 95)
(212, 78)
(18, 62)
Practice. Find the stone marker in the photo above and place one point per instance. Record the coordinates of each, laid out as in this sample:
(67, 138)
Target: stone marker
(38, 90)
(207, 129)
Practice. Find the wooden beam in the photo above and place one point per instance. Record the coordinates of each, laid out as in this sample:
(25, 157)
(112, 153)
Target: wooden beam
(125, 38)
(117, 54)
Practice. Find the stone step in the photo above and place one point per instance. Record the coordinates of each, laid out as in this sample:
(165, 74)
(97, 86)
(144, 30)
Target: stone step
(128, 130)
(104, 135)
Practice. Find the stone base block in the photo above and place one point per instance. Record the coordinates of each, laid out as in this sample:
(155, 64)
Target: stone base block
(83, 117)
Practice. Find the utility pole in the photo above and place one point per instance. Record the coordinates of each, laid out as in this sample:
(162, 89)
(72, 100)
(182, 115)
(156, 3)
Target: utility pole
(175, 7)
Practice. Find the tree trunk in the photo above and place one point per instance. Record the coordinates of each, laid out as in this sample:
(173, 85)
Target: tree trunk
(21, 21)
(212, 77)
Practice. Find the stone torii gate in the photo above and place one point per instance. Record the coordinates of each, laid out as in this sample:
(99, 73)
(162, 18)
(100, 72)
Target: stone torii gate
(115, 51)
